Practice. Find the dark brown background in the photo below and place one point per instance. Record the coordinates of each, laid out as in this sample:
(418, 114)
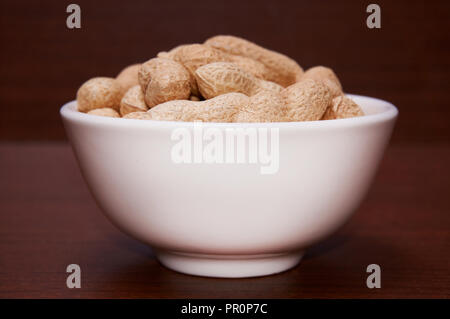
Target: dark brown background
(49, 220)
(406, 61)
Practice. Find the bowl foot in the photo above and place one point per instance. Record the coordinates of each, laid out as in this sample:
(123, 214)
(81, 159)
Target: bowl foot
(228, 266)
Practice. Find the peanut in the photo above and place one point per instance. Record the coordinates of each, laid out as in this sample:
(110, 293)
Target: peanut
(138, 116)
(133, 101)
(105, 111)
(163, 80)
(326, 75)
(219, 109)
(219, 78)
(302, 101)
(175, 54)
(172, 53)
(265, 106)
(251, 66)
(193, 56)
(240, 80)
(342, 107)
(306, 100)
(128, 77)
(99, 92)
(280, 68)
(194, 98)
(164, 55)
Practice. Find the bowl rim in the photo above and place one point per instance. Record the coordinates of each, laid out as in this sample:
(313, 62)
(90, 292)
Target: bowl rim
(388, 112)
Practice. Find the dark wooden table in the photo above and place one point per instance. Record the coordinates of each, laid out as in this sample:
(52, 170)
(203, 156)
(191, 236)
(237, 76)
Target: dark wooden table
(48, 220)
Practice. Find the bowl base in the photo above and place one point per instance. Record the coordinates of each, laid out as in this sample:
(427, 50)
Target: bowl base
(228, 266)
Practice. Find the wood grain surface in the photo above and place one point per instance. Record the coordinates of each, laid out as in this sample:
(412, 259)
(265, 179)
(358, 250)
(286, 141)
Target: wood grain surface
(42, 62)
(49, 220)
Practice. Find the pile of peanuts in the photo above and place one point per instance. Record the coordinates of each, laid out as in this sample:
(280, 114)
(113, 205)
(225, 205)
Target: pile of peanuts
(225, 79)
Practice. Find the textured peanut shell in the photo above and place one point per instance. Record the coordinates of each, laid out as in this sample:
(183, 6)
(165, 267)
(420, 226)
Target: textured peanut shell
(99, 92)
(133, 101)
(269, 86)
(138, 116)
(172, 54)
(326, 75)
(280, 68)
(106, 111)
(265, 106)
(193, 56)
(251, 66)
(163, 80)
(128, 77)
(219, 109)
(219, 78)
(306, 100)
(342, 107)
(197, 55)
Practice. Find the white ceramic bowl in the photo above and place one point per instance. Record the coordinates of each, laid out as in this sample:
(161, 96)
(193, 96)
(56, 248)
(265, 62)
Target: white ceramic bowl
(229, 219)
